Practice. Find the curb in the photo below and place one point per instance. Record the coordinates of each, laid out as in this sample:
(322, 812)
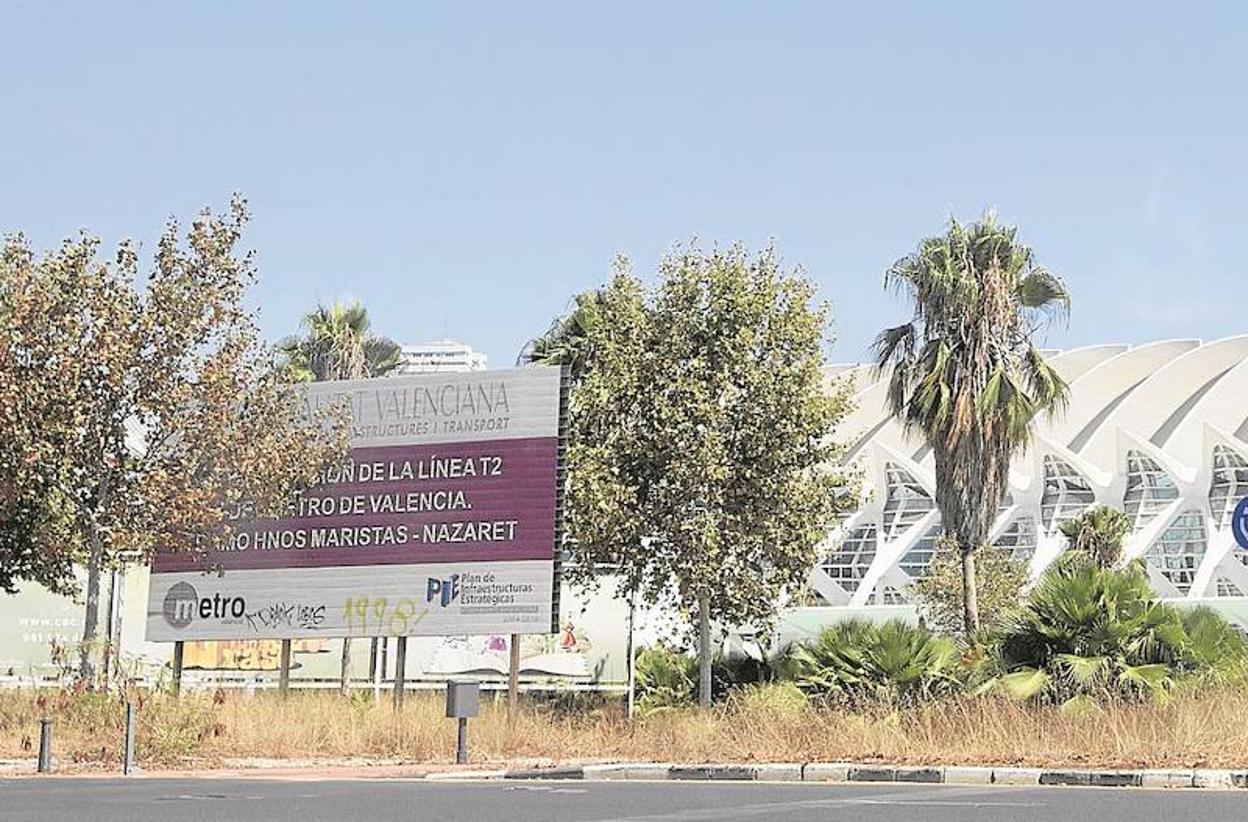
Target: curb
(843, 772)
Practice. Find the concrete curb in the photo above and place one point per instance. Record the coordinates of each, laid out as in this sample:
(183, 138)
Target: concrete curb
(842, 772)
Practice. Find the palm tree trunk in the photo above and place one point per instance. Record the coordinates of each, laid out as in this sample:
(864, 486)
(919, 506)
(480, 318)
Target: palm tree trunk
(704, 651)
(970, 595)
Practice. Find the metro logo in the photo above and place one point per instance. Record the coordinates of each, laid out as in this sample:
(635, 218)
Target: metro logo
(180, 605)
(447, 590)
(1239, 523)
(183, 605)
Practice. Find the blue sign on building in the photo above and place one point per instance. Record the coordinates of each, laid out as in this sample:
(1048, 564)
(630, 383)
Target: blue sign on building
(1239, 523)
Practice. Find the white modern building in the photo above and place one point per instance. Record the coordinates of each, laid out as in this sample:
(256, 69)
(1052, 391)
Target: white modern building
(440, 355)
(1158, 430)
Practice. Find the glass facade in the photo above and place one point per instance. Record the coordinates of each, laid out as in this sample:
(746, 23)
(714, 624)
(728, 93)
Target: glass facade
(905, 503)
(1066, 494)
(1178, 551)
(1019, 539)
(918, 560)
(848, 564)
(1150, 490)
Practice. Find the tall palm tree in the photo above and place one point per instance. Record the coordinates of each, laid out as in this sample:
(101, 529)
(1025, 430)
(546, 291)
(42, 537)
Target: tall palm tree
(338, 345)
(966, 373)
(566, 342)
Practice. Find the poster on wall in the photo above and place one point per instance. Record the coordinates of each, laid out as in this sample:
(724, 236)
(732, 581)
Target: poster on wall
(443, 519)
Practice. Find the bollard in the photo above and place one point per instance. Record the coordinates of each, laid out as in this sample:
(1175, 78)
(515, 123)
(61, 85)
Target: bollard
(127, 762)
(45, 745)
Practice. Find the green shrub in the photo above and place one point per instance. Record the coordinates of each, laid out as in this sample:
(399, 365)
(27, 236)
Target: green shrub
(1088, 633)
(894, 662)
(666, 678)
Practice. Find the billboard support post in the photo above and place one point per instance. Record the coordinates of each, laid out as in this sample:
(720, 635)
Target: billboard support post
(283, 677)
(127, 761)
(345, 684)
(179, 649)
(375, 664)
(400, 671)
(513, 676)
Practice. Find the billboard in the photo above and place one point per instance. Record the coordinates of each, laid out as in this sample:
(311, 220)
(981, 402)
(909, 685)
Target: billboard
(443, 519)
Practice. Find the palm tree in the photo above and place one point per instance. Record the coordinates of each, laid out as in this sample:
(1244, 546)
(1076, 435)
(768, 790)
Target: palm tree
(965, 372)
(566, 342)
(1099, 533)
(338, 345)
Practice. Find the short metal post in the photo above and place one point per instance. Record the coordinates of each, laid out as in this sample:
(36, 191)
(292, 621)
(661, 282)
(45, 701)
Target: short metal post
(461, 742)
(178, 650)
(400, 671)
(127, 763)
(45, 745)
(283, 676)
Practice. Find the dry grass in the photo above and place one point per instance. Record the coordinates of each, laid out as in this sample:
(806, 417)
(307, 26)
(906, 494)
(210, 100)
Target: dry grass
(1196, 729)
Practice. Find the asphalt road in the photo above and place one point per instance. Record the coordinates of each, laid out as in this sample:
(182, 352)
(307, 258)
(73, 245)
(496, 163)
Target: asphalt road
(274, 800)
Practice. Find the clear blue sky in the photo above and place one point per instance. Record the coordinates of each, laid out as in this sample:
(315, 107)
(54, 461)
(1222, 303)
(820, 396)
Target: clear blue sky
(465, 171)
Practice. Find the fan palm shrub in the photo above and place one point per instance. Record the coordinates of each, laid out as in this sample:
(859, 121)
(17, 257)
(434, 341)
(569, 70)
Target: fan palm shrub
(862, 662)
(1088, 633)
(666, 678)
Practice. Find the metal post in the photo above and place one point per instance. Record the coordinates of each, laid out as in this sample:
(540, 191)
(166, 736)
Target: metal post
(283, 677)
(632, 655)
(127, 763)
(178, 649)
(374, 667)
(461, 742)
(400, 671)
(45, 745)
(108, 624)
(513, 677)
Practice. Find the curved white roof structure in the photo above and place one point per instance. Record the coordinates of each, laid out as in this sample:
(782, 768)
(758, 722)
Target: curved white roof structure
(1158, 430)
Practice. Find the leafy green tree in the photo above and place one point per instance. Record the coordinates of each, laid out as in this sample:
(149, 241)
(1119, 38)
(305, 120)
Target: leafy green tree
(338, 344)
(965, 372)
(1098, 532)
(139, 416)
(999, 581)
(1089, 633)
(864, 662)
(701, 451)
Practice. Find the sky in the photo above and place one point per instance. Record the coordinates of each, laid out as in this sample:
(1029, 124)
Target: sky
(464, 169)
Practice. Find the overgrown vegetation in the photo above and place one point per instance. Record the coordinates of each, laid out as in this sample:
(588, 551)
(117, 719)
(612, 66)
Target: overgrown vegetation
(1194, 728)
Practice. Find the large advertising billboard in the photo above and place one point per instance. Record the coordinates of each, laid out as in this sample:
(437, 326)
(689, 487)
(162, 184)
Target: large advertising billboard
(442, 520)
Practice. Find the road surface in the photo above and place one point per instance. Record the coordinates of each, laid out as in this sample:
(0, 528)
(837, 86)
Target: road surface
(64, 799)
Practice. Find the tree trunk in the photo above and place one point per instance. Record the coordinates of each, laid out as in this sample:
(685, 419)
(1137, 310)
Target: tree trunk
(91, 619)
(344, 685)
(704, 651)
(970, 595)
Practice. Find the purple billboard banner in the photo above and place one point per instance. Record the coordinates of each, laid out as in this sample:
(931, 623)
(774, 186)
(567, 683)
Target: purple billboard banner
(407, 504)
